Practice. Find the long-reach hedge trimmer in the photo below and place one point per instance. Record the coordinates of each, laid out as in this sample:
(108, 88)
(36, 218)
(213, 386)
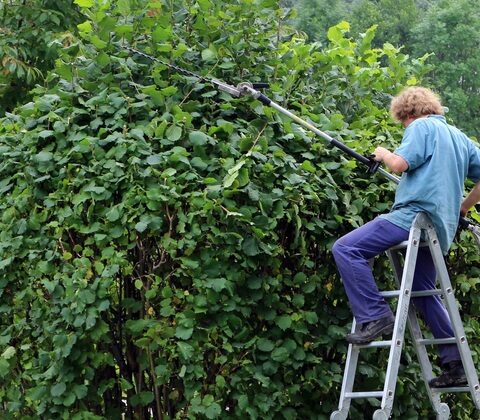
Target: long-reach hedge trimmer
(251, 89)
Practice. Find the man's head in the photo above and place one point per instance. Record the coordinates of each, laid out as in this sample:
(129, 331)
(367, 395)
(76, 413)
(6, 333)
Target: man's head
(414, 102)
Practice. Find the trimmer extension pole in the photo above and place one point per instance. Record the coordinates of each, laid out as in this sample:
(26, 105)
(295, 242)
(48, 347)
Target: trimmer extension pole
(336, 143)
(372, 164)
(251, 89)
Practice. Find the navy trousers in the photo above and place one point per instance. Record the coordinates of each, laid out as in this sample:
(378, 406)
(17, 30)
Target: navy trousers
(352, 252)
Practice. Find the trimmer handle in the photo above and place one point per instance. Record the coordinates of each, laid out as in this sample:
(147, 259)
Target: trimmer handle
(463, 223)
(373, 164)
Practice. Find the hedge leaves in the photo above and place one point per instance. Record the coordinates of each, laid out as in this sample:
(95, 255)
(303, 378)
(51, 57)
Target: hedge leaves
(164, 248)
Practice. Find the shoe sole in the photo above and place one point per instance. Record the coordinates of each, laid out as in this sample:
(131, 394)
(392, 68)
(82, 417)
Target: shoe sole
(388, 329)
(453, 384)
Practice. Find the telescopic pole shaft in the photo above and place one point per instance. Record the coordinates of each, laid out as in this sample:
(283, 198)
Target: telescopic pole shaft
(339, 145)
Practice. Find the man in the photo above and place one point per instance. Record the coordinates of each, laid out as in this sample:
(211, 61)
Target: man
(435, 159)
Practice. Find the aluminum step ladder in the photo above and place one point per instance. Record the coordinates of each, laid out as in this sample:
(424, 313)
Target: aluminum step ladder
(423, 229)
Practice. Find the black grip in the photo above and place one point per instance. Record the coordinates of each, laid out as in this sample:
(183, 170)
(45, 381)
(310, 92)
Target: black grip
(463, 223)
(264, 100)
(260, 85)
(373, 164)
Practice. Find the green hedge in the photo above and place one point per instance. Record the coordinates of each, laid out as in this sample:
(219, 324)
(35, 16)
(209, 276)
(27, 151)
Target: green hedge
(165, 248)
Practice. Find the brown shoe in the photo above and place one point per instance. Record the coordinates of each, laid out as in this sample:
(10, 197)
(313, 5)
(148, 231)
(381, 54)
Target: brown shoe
(369, 331)
(453, 374)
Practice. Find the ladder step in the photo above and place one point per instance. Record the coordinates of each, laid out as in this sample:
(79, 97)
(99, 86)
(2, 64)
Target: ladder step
(404, 244)
(386, 343)
(437, 341)
(419, 293)
(372, 394)
(401, 245)
(452, 389)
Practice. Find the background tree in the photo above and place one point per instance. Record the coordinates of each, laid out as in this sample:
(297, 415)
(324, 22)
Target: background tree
(448, 29)
(395, 19)
(314, 17)
(451, 30)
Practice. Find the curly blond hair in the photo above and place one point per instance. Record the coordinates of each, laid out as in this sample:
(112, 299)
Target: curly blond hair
(414, 102)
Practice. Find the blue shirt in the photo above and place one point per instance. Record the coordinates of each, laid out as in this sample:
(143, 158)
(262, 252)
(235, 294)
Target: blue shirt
(440, 157)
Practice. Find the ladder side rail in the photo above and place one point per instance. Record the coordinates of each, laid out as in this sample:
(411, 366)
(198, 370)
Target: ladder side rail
(348, 379)
(400, 323)
(453, 312)
(440, 408)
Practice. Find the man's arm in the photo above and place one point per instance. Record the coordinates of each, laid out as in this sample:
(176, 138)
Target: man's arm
(392, 161)
(471, 199)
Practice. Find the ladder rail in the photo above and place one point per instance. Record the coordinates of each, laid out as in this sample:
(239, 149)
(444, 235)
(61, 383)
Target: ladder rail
(349, 376)
(401, 319)
(417, 336)
(452, 308)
